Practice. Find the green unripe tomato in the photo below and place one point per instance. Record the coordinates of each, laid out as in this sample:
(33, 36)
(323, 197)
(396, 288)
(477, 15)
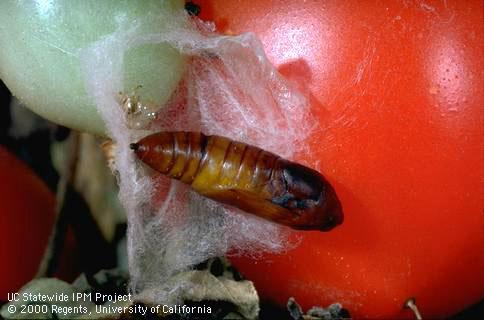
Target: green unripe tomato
(40, 42)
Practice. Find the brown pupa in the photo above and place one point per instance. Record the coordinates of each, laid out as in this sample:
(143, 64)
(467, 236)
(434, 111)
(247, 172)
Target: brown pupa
(244, 176)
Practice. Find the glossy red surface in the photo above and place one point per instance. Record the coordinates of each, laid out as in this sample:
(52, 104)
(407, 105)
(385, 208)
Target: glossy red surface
(398, 89)
(26, 219)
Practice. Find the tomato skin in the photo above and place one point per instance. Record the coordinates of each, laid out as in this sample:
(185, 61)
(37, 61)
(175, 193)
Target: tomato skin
(26, 218)
(397, 88)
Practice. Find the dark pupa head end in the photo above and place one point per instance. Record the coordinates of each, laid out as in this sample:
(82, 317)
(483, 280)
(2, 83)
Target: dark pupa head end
(334, 212)
(134, 146)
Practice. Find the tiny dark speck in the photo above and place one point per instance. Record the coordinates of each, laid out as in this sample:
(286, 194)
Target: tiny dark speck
(192, 8)
(134, 146)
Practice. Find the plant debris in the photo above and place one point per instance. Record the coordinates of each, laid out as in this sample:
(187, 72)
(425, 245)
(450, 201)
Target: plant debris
(334, 311)
(214, 291)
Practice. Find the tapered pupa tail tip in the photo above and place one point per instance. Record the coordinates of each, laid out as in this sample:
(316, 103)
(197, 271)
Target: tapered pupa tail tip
(134, 146)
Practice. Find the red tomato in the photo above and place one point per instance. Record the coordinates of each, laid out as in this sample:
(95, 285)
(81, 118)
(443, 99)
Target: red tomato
(398, 90)
(26, 218)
